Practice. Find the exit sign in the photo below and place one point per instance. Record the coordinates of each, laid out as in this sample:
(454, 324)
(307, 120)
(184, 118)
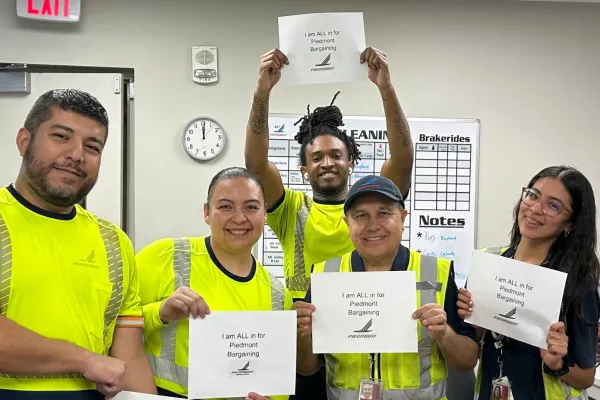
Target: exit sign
(50, 10)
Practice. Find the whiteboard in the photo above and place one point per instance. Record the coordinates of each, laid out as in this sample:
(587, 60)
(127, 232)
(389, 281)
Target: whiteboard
(442, 213)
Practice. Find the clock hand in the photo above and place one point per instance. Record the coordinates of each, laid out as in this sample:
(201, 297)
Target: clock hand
(203, 126)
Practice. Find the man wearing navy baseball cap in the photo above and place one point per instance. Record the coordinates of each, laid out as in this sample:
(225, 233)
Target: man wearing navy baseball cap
(375, 214)
(373, 185)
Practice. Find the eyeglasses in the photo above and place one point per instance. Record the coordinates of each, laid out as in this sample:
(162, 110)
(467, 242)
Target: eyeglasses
(550, 207)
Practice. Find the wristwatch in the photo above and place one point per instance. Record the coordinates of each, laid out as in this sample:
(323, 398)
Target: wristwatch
(567, 363)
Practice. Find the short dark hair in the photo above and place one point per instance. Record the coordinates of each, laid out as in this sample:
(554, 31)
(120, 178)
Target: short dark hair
(324, 121)
(232, 173)
(74, 100)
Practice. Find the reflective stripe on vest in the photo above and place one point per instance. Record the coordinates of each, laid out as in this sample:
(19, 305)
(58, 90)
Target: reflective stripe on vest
(428, 286)
(437, 391)
(110, 238)
(298, 282)
(495, 250)
(164, 366)
(5, 266)
(557, 389)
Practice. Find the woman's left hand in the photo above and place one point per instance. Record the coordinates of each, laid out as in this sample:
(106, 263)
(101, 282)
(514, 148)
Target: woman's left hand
(558, 345)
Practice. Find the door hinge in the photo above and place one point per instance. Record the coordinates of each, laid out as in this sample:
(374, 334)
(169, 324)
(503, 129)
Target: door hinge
(131, 90)
(117, 84)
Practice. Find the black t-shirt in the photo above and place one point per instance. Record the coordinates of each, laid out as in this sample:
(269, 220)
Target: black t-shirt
(523, 362)
(401, 264)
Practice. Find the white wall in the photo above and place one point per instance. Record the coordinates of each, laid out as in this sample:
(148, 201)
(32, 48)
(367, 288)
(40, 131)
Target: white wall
(528, 70)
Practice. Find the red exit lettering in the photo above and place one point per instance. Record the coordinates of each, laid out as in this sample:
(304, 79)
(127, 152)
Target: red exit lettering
(47, 7)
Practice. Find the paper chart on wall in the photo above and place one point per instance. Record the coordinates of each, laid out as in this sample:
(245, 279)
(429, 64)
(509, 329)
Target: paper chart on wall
(443, 195)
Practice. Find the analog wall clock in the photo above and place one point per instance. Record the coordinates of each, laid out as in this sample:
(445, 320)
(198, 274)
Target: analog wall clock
(204, 139)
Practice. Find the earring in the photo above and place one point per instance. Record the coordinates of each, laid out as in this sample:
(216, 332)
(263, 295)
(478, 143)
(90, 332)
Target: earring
(567, 233)
(350, 171)
(306, 176)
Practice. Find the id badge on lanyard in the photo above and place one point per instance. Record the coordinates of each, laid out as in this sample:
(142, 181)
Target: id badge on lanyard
(371, 388)
(500, 387)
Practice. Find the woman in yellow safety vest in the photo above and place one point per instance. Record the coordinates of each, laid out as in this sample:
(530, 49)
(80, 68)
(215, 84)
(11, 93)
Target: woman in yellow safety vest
(554, 227)
(194, 275)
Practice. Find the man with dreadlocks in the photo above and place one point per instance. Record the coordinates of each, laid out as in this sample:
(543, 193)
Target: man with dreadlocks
(312, 230)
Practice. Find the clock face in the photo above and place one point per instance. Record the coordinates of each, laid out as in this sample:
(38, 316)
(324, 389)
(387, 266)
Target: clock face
(203, 139)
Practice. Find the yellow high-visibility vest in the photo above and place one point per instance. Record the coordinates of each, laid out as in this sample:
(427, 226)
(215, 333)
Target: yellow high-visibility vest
(78, 293)
(168, 264)
(419, 375)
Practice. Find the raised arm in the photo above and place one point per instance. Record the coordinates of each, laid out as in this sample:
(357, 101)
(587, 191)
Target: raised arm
(257, 132)
(398, 167)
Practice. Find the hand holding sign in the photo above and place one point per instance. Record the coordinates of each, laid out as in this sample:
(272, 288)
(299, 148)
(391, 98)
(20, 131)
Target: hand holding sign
(269, 71)
(558, 344)
(181, 304)
(379, 72)
(464, 303)
(434, 318)
(304, 313)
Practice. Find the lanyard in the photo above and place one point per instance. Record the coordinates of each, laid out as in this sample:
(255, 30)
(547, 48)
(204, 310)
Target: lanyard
(499, 344)
(372, 358)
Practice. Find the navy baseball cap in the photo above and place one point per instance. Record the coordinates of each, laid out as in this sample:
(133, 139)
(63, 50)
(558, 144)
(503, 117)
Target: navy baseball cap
(373, 184)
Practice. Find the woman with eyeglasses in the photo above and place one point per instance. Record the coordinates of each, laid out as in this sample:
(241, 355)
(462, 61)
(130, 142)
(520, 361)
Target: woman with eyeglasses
(554, 227)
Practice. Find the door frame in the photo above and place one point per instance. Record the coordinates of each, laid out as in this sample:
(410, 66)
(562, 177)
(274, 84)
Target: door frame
(127, 109)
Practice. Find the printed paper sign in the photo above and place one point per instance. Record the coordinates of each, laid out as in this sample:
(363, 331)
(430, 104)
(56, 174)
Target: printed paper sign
(513, 298)
(140, 396)
(369, 312)
(322, 48)
(242, 352)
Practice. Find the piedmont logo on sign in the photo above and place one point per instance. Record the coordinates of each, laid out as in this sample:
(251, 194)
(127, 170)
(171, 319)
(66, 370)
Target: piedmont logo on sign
(363, 332)
(324, 62)
(244, 371)
(324, 65)
(508, 316)
(50, 10)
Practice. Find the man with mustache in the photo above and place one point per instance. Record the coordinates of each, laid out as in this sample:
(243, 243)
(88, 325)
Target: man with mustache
(312, 229)
(70, 314)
